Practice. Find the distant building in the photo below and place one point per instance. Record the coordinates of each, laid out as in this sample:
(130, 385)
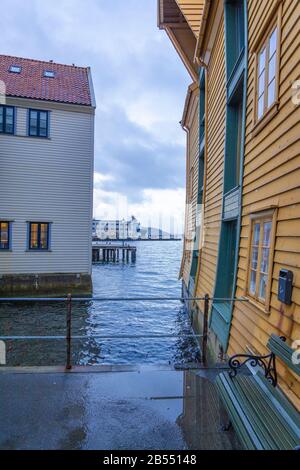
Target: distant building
(94, 227)
(130, 229)
(116, 229)
(46, 178)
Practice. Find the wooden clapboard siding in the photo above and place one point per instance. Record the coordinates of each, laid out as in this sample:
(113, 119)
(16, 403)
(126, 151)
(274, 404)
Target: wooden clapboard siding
(271, 178)
(192, 11)
(49, 180)
(215, 142)
(190, 122)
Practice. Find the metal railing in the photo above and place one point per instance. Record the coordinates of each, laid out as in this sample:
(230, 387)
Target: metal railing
(68, 337)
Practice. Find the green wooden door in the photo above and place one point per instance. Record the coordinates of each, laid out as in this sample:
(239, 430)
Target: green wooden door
(220, 320)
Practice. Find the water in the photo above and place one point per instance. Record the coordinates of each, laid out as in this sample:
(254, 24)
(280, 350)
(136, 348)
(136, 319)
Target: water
(155, 274)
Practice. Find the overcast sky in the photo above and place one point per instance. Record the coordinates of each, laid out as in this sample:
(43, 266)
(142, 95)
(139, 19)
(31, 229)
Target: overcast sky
(140, 86)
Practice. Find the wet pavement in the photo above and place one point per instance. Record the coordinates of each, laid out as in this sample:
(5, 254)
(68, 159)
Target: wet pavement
(112, 408)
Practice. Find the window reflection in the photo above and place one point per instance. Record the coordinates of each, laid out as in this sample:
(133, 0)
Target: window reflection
(260, 258)
(266, 74)
(4, 235)
(39, 236)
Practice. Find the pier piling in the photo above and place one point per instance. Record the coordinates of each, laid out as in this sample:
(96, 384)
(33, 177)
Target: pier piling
(104, 253)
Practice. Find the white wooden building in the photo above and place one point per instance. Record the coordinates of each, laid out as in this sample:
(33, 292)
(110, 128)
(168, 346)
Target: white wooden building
(117, 229)
(46, 177)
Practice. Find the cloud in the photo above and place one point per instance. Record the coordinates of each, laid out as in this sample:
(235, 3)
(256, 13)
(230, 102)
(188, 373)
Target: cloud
(155, 207)
(135, 159)
(140, 84)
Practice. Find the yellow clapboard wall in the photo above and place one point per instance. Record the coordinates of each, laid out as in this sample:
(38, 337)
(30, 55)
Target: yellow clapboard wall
(191, 124)
(214, 165)
(272, 179)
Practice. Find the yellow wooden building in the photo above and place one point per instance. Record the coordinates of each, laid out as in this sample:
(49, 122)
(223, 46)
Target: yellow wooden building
(242, 118)
(270, 225)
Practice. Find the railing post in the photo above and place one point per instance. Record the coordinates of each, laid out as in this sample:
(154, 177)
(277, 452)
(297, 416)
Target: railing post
(69, 332)
(205, 329)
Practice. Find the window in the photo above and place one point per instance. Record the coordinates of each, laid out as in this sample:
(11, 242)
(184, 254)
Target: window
(239, 26)
(4, 235)
(260, 257)
(49, 74)
(15, 69)
(234, 139)
(235, 32)
(267, 74)
(7, 114)
(39, 235)
(38, 123)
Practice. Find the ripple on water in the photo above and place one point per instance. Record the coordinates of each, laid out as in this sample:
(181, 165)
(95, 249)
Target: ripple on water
(154, 274)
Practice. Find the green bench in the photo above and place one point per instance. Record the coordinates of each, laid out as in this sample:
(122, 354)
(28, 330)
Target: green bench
(261, 415)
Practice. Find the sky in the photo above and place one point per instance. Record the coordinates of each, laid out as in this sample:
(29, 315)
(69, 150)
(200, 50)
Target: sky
(140, 86)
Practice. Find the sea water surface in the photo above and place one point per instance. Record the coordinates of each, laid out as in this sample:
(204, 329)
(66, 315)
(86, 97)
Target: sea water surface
(154, 274)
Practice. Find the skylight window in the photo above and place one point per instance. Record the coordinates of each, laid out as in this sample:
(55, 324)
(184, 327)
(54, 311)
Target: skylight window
(15, 69)
(49, 74)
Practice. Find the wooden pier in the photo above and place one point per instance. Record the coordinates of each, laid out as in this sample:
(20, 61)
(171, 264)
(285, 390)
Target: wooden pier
(104, 253)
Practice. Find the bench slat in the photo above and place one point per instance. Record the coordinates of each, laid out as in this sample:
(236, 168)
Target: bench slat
(239, 420)
(282, 403)
(254, 408)
(283, 351)
(254, 414)
(273, 426)
(255, 411)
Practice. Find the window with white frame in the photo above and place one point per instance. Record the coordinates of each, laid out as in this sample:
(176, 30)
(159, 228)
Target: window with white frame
(267, 73)
(260, 257)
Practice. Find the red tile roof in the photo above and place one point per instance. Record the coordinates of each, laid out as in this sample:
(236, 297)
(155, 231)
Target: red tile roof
(69, 85)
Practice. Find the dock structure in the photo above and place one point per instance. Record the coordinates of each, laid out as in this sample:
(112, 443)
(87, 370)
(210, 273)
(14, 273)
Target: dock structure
(103, 253)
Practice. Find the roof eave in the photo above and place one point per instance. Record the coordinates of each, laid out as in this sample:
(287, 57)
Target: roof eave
(29, 99)
(203, 25)
(185, 59)
(185, 8)
(91, 87)
(159, 19)
(191, 89)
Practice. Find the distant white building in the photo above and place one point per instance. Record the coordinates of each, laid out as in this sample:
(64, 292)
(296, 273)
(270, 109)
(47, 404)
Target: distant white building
(117, 229)
(46, 177)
